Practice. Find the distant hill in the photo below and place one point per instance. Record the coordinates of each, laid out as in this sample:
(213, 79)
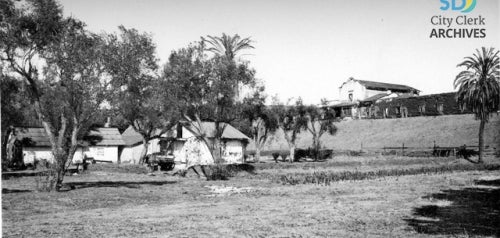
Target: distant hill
(448, 130)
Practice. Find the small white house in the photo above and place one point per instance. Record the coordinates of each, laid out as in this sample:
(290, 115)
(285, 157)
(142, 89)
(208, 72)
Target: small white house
(100, 143)
(131, 151)
(233, 141)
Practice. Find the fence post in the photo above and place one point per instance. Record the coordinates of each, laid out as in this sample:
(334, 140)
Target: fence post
(403, 150)
(361, 147)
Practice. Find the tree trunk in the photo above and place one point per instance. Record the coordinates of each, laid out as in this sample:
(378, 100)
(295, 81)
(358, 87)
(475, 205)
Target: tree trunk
(257, 153)
(481, 140)
(5, 141)
(145, 145)
(60, 168)
(217, 151)
(291, 145)
(9, 148)
(315, 147)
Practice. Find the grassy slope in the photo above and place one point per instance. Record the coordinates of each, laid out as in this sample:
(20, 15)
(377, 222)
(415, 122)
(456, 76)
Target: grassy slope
(450, 130)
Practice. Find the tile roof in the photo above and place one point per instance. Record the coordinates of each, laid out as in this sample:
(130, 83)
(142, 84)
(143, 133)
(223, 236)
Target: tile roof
(344, 104)
(37, 137)
(110, 136)
(33, 136)
(385, 86)
(375, 97)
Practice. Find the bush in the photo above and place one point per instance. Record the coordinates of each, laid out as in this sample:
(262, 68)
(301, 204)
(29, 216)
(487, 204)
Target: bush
(225, 171)
(45, 181)
(326, 178)
(119, 168)
(218, 172)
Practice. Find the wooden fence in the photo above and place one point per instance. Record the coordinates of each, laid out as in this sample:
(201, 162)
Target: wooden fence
(435, 150)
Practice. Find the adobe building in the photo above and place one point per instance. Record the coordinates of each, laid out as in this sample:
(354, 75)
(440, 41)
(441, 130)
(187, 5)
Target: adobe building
(356, 94)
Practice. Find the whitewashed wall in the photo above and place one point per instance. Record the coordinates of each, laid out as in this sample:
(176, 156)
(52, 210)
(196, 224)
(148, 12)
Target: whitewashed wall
(131, 154)
(233, 152)
(358, 91)
(106, 153)
(45, 153)
(39, 153)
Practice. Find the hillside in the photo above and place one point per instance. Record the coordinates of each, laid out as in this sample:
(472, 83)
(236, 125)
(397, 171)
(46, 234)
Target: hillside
(449, 130)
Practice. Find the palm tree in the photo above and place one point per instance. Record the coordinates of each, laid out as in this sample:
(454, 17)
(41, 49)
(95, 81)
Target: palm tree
(479, 89)
(227, 45)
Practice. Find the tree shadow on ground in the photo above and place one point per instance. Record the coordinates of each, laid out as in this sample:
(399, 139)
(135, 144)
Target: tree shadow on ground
(114, 184)
(6, 191)
(473, 211)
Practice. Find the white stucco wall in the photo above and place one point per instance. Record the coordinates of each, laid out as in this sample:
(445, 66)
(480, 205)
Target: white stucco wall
(232, 152)
(357, 90)
(45, 153)
(131, 154)
(39, 153)
(106, 153)
(186, 133)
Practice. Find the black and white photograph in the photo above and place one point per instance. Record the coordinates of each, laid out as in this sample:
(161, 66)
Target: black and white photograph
(233, 118)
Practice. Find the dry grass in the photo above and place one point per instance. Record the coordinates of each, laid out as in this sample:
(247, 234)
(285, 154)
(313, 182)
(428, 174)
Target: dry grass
(448, 130)
(116, 204)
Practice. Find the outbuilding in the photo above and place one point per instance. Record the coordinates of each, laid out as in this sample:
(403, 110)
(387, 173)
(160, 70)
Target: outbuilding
(131, 151)
(233, 141)
(99, 143)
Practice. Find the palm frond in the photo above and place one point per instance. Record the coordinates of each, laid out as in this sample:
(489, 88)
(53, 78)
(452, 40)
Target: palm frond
(478, 86)
(227, 45)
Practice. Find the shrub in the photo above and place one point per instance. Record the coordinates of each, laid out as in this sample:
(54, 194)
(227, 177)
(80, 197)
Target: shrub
(326, 178)
(119, 168)
(218, 172)
(225, 171)
(45, 181)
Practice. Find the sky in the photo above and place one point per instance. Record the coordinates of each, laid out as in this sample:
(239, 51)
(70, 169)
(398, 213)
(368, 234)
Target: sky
(307, 48)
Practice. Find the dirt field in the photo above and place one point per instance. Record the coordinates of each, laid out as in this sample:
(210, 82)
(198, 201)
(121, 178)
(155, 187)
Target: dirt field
(123, 203)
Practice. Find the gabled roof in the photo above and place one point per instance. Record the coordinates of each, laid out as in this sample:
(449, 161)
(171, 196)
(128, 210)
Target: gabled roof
(108, 136)
(131, 137)
(37, 137)
(384, 86)
(209, 128)
(33, 136)
(375, 97)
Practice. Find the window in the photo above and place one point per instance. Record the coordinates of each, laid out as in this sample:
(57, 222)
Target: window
(421, 109)
(350, 97)
(439, 108)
